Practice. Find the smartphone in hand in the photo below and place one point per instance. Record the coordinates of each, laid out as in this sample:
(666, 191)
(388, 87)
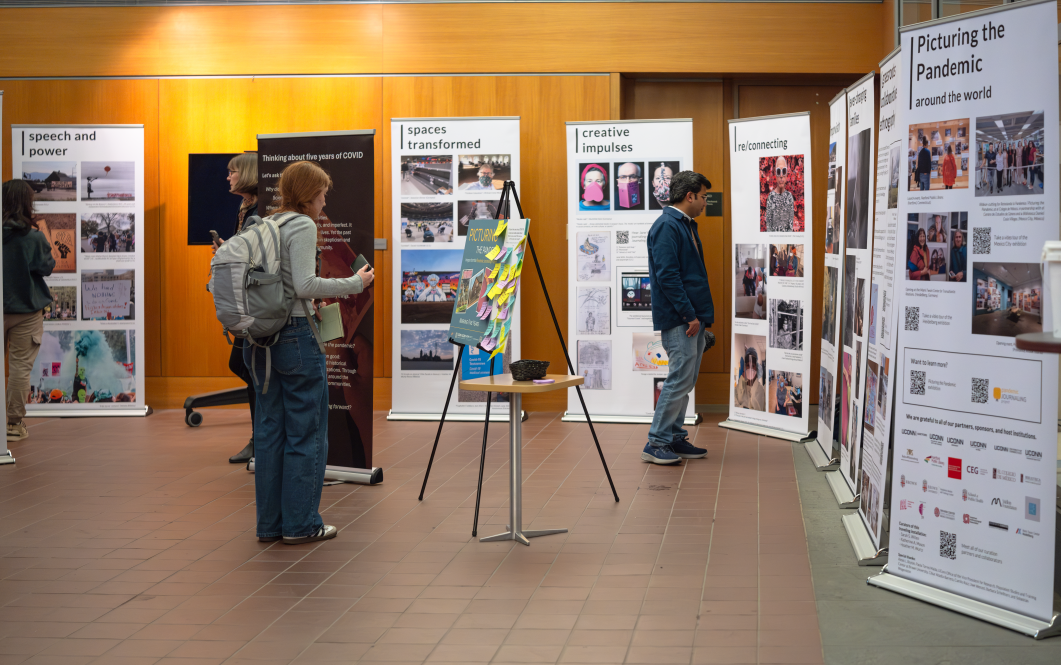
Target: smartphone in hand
(359, 263)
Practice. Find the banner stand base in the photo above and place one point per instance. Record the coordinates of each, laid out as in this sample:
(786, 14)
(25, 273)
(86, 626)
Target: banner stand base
(967, 606)
(818, 457)
(841, 491)
(865, 552)
(452, 417)
(767, 431)
(346, 474)
(139, 411)
(6, 458)
(572, 417)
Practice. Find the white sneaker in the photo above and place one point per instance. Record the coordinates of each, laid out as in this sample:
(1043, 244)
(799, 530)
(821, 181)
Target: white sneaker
(17, 431)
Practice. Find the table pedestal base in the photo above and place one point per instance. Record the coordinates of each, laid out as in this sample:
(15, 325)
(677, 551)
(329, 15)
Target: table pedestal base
(515, 482)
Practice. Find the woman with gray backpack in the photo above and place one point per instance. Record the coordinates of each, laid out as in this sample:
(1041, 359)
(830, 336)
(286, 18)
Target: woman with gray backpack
(287, 363)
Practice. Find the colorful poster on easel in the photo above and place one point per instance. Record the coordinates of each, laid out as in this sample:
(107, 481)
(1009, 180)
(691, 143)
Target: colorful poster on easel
(467, 323)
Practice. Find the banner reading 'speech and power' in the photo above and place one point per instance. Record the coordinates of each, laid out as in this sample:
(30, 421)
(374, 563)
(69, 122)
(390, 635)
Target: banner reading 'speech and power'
(832, 292)
(618, 182)
(975, 434)
(88, 182)
(345, 231)
(770, 180)
(446, 173)
(861, 130)
(888, 272)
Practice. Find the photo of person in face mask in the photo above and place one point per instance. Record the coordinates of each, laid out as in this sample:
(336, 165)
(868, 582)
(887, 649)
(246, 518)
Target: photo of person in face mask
(483, 173)
(629, 190)
(593, 188)
(659, 175)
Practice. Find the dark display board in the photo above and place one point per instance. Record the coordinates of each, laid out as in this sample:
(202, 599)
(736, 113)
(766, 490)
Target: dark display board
(345, 231)
(211, 206)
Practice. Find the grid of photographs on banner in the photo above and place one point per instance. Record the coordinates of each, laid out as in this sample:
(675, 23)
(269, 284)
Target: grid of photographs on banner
(770, 298)
(87, 211)
(617, 203)
(440, 195)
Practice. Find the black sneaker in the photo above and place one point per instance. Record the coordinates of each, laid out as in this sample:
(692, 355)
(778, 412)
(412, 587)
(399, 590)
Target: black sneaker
(326, 532)
(245, 455)
(686, 450)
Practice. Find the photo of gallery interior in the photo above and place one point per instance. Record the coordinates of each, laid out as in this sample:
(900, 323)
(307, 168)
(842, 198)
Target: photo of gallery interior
(1008, 299)
(330, 490)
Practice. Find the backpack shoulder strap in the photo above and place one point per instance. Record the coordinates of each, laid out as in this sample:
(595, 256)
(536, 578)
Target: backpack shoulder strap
(312, 325)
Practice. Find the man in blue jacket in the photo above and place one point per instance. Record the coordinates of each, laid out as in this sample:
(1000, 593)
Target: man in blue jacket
(682, 311)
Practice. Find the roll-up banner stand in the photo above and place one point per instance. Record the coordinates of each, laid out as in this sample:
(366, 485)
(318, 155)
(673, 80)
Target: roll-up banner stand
(858, 195)
(973, 489)
(770, 181)
(868, 531)
(618, 182)
(89, 195)
(445, 173)
(5, 454)
(345, 232)
(821, 450)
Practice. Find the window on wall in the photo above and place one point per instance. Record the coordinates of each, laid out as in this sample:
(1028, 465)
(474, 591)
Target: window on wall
(917, 11)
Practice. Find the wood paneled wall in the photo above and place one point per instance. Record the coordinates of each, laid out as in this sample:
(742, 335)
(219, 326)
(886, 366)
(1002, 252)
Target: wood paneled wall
(405, 38)
(185, 352)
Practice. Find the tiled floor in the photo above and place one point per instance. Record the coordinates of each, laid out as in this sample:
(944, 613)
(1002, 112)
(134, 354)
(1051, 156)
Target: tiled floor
(132, 541)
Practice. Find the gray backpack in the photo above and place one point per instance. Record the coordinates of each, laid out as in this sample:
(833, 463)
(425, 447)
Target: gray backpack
(248, 288)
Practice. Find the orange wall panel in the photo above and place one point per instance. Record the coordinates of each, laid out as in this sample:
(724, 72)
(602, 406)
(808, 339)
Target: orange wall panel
(102, 102)
(226, 115)
(403, 38)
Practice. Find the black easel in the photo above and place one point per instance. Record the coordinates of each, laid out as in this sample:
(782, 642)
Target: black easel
(503, 205)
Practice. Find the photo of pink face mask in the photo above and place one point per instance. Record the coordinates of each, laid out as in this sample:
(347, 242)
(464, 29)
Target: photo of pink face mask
(628, 185)
(594, 187)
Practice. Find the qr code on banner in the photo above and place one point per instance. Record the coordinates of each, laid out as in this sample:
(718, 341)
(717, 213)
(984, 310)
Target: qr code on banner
(917, 382)
(947, 544)
(980, 388)
(982, 240)
(913, 318)
(622, 237)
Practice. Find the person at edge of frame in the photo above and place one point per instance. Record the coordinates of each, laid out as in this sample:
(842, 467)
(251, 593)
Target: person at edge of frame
(243, 180)
(682, 310)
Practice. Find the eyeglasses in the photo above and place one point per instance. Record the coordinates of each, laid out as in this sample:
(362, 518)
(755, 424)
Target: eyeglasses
(628, 178)
(783, 171)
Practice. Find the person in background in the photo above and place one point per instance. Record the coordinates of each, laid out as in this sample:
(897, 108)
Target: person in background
(682, 310)
(992, 166)
(957, 258)
(924, 165)
(949, 168)
(749, 279)
(291, 419)
(243, 180)
(27, 261)
(1003, 157)
(1033, 168)
(793, 262)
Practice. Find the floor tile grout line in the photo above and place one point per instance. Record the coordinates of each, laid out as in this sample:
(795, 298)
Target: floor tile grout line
(710, 541)
(758, 546)
(619, 530)
(456, 507)
(806, 540)
(662, 541)
(557, 554)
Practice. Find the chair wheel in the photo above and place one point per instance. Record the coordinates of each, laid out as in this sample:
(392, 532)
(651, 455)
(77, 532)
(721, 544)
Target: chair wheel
(193, 419)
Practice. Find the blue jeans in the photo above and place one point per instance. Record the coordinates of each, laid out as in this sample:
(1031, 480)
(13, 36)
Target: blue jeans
(923, 178)
(290, 433)
(684, 354)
